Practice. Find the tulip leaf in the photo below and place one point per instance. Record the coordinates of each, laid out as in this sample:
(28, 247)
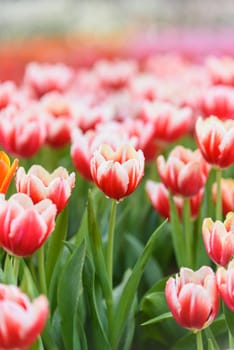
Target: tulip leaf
(97, 248)
(55, 242)
(129, 290)
(97, 313)
(69, 291)
(229, 317)
(162, 317)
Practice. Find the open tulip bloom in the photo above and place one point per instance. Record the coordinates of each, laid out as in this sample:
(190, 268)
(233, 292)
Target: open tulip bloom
(117, 217)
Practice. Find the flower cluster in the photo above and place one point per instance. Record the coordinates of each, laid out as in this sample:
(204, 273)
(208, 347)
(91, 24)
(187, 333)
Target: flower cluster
(129, 129)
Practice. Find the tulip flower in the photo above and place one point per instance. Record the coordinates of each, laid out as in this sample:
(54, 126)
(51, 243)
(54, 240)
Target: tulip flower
(215, 139)
(218, 101)
(225, 282)
(221, 70)
(7, 171)
(170, 121)
(218, 238)
(185, 172)
(25, 226)
(227, 194)
(117, 173)
(43, 78)
(193, 297)
(83, 146)
(39, 184)
(22, 132)
(22, 321)
(159, 198)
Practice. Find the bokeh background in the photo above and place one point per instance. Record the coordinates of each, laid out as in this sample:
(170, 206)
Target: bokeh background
(78, 32)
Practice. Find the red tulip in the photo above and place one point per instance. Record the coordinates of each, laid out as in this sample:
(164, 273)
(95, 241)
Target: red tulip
(185, 172)
(215, 139)
(218, 238)
(170, 122)
(24, 227)
(22, 132)
(39, 184)
(218, 101)
(221, 70)
(117, 173)
(159, 198)
(227, 193)
(193, 297)
(41, 78)
(22, 321)
(83, 146)
(225, 282)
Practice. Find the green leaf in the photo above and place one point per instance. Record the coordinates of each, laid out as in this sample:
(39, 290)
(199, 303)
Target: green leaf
(166, 316)
(131, 286)
(98, 316)
(97, 249)
(27, 284)
(9, 271)
(55, 243)
(229, 317)
(69, 291)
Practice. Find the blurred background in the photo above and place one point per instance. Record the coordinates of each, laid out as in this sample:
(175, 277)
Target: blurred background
(78, 32)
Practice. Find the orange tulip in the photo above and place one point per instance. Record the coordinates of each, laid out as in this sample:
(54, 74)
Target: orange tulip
(7, 171)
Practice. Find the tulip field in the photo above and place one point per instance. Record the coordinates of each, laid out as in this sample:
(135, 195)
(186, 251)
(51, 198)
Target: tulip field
(117, 205)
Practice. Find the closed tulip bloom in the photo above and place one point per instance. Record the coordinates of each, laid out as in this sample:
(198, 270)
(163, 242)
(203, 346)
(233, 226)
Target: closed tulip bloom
(7, 171)
(215, 139)
(218, 238)
(22, 132)
(117, 173)
(221, 70)
(84, 144)
(170, 122)
(225, 282)
(22, 321)
(185, 172)
(193, 297)
(227, 194)
(218, 101)
(25, 226)
(159, 198)
(39, 184)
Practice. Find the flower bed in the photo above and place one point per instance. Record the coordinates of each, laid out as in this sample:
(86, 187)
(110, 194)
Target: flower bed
(117, 212)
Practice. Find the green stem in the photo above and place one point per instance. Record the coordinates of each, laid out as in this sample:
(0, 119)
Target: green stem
(110, 243)
(231, 340)
(188, 232)
(199, 340)
(41, 269)
(16, 265)
(219, 194)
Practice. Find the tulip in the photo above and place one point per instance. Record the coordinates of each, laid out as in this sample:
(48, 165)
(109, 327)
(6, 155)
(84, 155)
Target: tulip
(159, 198)
(225, 282)
(221, 70)
(117, 173)
(218, 238)
(22, 321)
(22, 132)
(185, 172)
(215, 139)
(83, 146)
(170, 121)
(115, 74)
(227, 194)
(193, 297)
(7, 171)
(43, 78)
(39, 184)
(218, 101)
(25, 226)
